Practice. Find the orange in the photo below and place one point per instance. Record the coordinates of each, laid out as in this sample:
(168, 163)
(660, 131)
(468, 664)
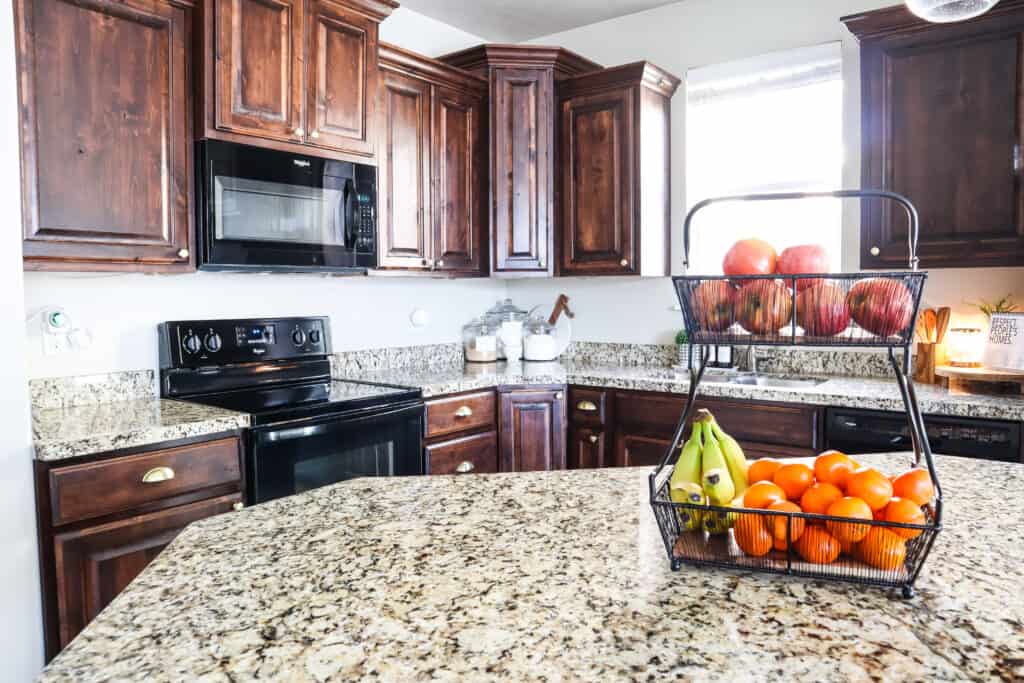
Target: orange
(833, 467)
(762, 470)
(778, 524)
(871, 486)
(762, 494)
(817, 545)
(904, 511)
(915, 485)
(817, 498)
(848, 547)
(794, 479)
(882, 549)
(853, 508)
(752, 535)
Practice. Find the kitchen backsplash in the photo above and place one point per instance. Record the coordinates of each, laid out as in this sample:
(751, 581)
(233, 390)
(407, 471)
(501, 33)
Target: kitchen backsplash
(425, 355)
(777, 360)
(604, 353)
(64, 392)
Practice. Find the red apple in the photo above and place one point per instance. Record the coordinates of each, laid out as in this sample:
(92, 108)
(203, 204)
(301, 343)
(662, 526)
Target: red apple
(713, 303)
(821, 310)
(764, 306)
(805, 259)
(750, 257)
(882, 306)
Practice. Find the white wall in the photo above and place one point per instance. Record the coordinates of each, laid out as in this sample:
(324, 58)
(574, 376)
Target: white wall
(698, 33)
(122, 311)
(21, 630)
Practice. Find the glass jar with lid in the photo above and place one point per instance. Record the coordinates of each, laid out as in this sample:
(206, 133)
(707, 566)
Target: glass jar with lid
(508, 319)
(480, 341)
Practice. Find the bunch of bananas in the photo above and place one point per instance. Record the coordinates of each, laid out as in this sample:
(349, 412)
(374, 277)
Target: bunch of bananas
(711, 470)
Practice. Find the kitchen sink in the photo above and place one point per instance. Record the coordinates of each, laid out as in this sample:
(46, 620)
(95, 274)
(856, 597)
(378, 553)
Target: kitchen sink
(769, 381)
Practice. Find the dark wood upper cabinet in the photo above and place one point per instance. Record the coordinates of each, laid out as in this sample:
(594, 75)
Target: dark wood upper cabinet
(292, 74)
(106, 133)
(532, 430)
(942, 123)
(523, 84)
(615, 193)
(433, 172)
(259, 68)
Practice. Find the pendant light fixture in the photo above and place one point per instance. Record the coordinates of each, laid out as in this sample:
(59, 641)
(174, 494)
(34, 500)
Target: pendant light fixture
(947, 11)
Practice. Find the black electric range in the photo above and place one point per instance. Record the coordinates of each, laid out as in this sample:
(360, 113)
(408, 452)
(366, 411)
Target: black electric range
(307, 430)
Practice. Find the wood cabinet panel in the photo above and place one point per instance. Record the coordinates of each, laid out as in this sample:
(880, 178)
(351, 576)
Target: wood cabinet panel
(461, 413)
(521, 177)
(597, 183)
(404, 181)
(588, 448)
(133, 481)
(960, 84)
(259, 67)
(96, 563)
(639, 450)
(460, 181)
(343, 78)
(532, 427)
(475, 454)
(106, 133)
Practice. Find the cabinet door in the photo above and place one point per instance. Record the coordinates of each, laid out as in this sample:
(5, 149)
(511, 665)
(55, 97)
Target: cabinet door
(942, 126)
(258, 75)
(597, 162)
(532, 425)
(404, 178)
(460, 181)
(639, 450)
(106, 131)
(343, 78)
(96, 563)
(588, 448)
(476, 454)
(521, 185)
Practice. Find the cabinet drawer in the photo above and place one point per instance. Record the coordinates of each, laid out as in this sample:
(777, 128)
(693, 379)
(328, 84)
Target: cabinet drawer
(461, 413)
(588, 406)
(100, 488)
(471, 454)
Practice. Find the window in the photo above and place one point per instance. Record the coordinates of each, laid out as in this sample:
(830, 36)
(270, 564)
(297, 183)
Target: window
(768, 124)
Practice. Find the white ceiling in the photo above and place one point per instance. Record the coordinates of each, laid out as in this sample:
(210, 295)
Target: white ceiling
(519, 20)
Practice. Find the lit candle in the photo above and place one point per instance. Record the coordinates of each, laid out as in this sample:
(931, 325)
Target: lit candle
(965, 346)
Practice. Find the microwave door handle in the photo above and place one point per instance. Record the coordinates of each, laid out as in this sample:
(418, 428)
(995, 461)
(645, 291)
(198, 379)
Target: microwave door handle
(351, 214)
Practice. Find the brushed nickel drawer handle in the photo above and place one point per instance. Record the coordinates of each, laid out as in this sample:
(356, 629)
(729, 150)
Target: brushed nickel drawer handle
(587, 406)
(593, 438)
(464, 411)
(465, 467)
(157, 475)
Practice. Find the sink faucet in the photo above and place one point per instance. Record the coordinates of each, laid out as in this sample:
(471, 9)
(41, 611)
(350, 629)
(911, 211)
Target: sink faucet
(753, 359)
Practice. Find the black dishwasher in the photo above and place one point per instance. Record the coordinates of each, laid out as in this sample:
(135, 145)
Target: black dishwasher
(875, 431)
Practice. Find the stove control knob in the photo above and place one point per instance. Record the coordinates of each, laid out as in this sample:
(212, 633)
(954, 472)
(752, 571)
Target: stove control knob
(213, 342)
(192, 344)
(298, 337)
(314, 337)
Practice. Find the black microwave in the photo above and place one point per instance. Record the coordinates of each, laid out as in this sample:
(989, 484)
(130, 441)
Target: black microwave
(265, 210)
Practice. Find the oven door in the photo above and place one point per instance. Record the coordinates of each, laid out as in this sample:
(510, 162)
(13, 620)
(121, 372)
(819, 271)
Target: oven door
(287, 459)
(262, 209)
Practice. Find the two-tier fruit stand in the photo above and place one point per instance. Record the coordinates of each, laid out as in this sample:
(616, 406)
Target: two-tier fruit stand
(895, 298)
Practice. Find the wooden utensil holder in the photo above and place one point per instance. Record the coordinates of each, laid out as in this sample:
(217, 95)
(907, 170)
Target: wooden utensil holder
(924, 363)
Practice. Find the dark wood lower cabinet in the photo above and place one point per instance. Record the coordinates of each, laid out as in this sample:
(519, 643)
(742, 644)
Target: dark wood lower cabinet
(95, 564)
(588, 448)
(532, 427)
(474, 454)
(639, 450)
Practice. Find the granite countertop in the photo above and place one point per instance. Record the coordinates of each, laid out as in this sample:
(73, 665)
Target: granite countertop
(848, 392)
(72, 431)
(544, 576)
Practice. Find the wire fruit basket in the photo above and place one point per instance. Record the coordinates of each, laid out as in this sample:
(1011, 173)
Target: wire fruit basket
(877, 309)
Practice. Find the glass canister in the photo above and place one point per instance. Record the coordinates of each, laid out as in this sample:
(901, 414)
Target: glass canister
(539, 341)
(508, 320)
(480, 341)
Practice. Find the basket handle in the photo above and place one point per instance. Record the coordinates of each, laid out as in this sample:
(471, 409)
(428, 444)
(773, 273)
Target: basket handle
(908, 207)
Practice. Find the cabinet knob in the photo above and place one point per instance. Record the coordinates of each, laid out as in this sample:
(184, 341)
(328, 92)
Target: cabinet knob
(183, 253)
(464, 411)
(593, 438)
(157, 475)
(298, 132)
(440, 263)
(559, 396)
(624, 262)
(586, 406)
(540, 264)
(465, 467)
(238, 506)
(314, 134)
(875, 251)
(425, 262)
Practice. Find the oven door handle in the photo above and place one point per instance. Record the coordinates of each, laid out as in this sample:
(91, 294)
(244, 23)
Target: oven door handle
(271, 434)
(294, 433)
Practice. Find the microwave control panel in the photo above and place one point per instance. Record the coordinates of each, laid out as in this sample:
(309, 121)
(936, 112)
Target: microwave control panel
(200, 343)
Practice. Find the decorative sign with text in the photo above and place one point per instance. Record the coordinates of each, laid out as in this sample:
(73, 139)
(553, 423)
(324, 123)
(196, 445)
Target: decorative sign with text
(1005, 347)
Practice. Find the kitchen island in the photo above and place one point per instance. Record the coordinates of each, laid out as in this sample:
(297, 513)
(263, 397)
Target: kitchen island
(556, 576)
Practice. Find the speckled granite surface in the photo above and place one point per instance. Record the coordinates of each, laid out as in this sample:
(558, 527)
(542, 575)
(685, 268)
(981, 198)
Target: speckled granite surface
(849, 392)
(60, 433)
(114, 387)
(426, 355)
(555, 576)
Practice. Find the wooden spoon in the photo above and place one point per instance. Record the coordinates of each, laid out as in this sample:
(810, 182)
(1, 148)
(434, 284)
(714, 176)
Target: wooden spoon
(930, 319)
(941, 324)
